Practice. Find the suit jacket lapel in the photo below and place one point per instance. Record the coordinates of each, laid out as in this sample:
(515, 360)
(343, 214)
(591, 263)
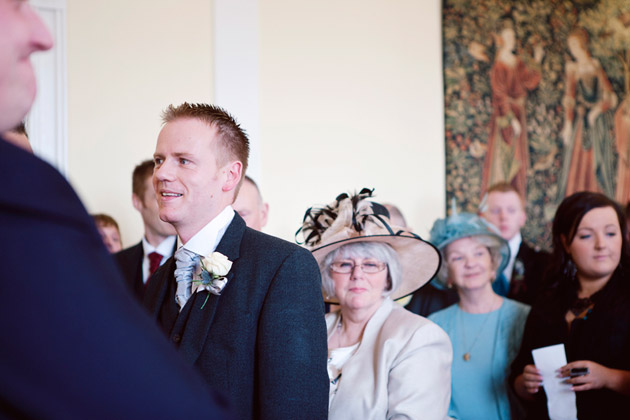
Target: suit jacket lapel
(136, 262)
(157, 287)
(200, 320)
(523, 254)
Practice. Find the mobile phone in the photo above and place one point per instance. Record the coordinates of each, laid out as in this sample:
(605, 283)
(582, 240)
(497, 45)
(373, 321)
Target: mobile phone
(575, 372)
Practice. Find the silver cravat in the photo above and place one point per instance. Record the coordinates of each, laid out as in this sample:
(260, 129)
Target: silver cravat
(186, 261)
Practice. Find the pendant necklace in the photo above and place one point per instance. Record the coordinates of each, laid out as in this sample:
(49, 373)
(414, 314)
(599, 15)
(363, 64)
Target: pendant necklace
(466, 356)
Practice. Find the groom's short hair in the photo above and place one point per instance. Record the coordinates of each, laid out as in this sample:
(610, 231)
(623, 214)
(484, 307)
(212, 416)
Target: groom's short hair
(233, 139)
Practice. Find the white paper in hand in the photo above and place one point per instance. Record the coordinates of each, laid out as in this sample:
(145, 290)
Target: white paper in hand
(560, 397)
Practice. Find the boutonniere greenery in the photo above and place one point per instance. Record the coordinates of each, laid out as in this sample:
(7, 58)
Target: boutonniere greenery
(214, 269)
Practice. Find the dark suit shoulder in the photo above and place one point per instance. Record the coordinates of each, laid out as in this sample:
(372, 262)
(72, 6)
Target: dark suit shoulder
(38, 188)
(535, 260)
(130, 263)
(131, 254)
(527, 252)
(530, 266)
(266, 244)
(429, 299)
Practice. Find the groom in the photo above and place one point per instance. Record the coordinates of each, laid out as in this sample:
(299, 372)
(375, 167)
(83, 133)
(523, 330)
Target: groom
(260, 338)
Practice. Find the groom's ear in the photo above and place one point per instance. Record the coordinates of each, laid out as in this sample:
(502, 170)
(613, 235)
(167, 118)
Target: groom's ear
(232, 173)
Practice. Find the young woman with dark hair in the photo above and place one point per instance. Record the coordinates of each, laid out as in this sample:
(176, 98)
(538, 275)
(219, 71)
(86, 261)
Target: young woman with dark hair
(586, 308)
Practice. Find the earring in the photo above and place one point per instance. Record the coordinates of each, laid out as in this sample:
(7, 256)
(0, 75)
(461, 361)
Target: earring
(570, 269)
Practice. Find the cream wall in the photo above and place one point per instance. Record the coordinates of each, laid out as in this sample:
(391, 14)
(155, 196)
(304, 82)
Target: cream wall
(127, 60)
(350, 96)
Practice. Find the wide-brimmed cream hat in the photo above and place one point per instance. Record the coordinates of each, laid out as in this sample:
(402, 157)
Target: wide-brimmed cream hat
(354, 218)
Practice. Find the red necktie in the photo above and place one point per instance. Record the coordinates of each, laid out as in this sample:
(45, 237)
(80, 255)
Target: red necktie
(154, 262)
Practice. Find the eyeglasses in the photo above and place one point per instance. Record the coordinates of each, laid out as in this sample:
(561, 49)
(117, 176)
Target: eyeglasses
(347, 267)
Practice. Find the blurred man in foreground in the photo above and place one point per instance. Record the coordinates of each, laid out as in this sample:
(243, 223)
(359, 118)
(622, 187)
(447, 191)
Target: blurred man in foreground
(76, 345)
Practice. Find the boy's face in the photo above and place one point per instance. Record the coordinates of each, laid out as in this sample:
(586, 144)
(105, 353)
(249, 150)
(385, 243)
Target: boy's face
(111, 238)
(505, 211)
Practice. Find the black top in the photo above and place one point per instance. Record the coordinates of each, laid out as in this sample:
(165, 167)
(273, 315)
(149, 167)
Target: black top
(602, 337)
(429, 299)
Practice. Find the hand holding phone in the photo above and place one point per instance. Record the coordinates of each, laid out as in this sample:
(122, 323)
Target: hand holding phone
(575, 372)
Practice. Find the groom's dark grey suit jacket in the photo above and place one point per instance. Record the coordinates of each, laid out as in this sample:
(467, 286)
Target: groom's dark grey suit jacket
(263, 340)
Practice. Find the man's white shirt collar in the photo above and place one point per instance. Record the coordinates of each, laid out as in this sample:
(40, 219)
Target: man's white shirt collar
(207, 239)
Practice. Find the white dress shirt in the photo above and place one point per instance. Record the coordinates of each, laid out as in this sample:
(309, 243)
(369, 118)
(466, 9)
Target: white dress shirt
(514, 244)
(207, 239)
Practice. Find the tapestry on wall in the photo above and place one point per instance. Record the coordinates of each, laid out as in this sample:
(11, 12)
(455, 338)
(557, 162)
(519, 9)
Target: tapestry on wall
(536, 94)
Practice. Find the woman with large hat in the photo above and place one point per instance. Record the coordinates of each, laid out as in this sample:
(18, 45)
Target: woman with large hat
(384, 362)
(485, 328)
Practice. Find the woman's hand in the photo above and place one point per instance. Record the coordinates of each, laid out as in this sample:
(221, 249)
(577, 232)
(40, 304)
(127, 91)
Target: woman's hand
(532, 379)
(528, 383)
(598, 376)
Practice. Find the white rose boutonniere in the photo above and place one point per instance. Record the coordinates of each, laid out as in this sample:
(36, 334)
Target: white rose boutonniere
(214, 268)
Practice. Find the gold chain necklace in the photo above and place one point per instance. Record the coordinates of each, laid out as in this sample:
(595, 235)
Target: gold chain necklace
(461, 323)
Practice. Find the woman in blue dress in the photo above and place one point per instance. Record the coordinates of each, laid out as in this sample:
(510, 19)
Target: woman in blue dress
(485, 328)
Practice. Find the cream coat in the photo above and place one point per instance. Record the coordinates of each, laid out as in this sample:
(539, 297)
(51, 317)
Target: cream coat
(401, 369)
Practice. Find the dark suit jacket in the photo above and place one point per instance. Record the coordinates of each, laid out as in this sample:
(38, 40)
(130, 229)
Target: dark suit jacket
(527, 275)
(76, 344)
(263, 340)
(431, 298)
(130, 262)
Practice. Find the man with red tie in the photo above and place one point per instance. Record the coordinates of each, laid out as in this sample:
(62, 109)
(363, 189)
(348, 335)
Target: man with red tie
(140, 261)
